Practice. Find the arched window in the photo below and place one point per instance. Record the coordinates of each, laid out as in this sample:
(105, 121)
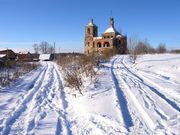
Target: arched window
(119, 41)
(98, 45)
(88, 30)
(106, 44)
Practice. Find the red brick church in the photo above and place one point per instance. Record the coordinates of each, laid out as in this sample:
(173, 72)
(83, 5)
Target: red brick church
(110, 39)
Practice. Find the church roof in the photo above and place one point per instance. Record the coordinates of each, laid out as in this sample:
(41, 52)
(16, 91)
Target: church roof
(110, 30)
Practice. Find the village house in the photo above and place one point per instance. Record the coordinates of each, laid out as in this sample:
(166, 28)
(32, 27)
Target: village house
(110, 39)
(35, 57)
(7, 56)
(46, 57)
(24, 57)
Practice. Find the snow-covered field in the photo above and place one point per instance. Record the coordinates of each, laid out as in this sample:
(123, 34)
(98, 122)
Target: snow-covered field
(141, 98)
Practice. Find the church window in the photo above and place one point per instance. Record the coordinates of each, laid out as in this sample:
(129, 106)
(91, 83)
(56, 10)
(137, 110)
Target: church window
(98, 45)
(94, 32)
(88, 30)
(119, 41)
(93, 44)
(106, 44)
(107, 36)
(111, 36)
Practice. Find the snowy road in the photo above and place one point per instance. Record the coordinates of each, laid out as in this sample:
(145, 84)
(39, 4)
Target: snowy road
(35, 105)
(150, 105)
(127, 99)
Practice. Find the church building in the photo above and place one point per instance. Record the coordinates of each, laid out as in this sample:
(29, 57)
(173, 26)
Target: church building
(110, 39)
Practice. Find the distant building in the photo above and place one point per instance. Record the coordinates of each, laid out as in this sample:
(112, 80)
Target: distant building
(35, 56)
(7, 56)
(24, 57)
(110, 39)
(46, 57)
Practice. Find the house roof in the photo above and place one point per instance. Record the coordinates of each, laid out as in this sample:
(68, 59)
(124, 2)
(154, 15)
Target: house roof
(45, 56)
(9, 53)
(6, 51)
(2, 55)
(24, 52)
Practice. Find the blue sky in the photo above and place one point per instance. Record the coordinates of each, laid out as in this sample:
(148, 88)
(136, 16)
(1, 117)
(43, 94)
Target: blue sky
(24, 22)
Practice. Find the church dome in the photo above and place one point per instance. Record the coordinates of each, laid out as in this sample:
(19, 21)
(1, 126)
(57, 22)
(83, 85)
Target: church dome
(111, 29)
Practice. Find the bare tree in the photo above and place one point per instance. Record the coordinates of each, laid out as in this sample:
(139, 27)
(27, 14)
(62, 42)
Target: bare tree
(161, 48)
(44, 47)
(132, 43)
(143, 47)
(36, 48)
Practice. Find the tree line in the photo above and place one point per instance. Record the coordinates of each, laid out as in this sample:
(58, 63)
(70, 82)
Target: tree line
(43, 47)
(137, 47)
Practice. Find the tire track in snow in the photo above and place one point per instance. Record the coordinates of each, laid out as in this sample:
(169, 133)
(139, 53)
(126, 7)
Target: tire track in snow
(25, 84)
(39, 108)
(160, 77)
(44, 98)
(161, 108)
(23, 105)
(47, 104)
(122, 100)
(21, 87)
(162, 96)
(173, 96)
(148, 100)
(131, 97)
(52, 104)
(63, 116)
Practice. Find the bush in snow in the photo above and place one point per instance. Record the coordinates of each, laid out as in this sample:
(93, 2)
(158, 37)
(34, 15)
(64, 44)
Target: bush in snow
(78, 70)
(10, 73)
(73, 79)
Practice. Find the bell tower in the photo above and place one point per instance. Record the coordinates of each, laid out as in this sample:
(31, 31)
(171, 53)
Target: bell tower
(91, 31)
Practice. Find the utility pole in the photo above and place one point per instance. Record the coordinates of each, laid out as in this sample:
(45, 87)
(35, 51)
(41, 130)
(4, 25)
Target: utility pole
(54, 51)
(7, 63)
